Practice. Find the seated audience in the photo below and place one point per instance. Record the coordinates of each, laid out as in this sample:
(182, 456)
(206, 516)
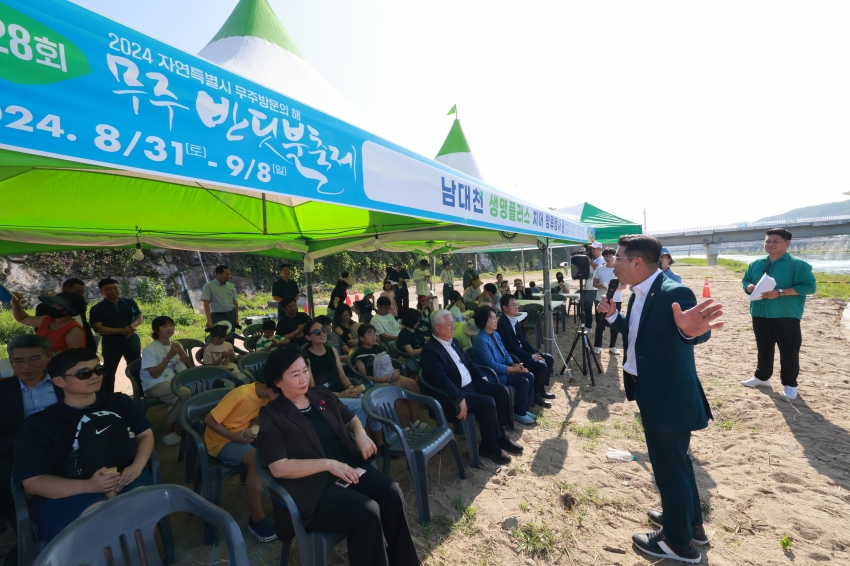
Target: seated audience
(325, 365)
(513, 339)
(291, 324)
(77, 287)
(339, 293)
(449, 370)
(59, 325)
(345, 329)
(389, 293)
(366, 305)
(488, 297)
(27, 392)
(371, 509)
(465, 333)
(487, 350)
(504, 288)
(386, 325)
(230, 438)
(85, 449)
(458, 307)
(270, 338)
(373, 361)
(219, 352)
(534, 289)
(410, 339)
(560, 286)
(474, 290)
(162, 359)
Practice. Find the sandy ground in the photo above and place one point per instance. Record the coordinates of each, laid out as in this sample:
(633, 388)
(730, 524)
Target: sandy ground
(766, 467)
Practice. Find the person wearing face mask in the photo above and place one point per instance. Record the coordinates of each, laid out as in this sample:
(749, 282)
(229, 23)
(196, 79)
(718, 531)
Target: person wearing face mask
(58, 325)
(76, 287)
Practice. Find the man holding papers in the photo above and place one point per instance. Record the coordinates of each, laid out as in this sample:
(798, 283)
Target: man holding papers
(783, 281)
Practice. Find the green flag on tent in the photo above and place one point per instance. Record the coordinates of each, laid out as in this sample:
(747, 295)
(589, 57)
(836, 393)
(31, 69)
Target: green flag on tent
(453, 110)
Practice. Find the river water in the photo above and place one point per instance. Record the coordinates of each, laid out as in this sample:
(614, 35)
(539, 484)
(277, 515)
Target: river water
(827, 262)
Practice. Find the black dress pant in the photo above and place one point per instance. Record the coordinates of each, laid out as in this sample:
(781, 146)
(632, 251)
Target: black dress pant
(447, 290)
(491, 405)
(541, 369)
(7, 503)
(114, 347)
(782, 332)
(674, 476)
(367, 512)
(523, 384)
(403, 301)
(600, 328)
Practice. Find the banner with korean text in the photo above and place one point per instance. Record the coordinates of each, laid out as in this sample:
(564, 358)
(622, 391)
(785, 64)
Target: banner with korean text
(77, 86)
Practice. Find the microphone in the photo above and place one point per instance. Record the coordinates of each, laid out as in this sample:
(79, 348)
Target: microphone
(612, 288)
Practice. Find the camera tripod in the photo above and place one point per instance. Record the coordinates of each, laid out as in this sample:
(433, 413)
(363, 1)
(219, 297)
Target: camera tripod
(581, 337)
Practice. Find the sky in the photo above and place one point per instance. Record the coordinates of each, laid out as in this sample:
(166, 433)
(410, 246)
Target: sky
(700, 113)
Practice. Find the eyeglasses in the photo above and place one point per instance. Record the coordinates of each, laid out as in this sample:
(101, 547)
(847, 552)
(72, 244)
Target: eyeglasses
(628, 257)
(320, 331)
(86, 373)
(29, 361)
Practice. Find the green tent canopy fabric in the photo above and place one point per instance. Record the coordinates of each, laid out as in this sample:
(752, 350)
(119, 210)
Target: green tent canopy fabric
(608, 227)
(455, 152)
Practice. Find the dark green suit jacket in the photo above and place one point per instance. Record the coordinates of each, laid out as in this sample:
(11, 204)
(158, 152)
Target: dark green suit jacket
(668, 392)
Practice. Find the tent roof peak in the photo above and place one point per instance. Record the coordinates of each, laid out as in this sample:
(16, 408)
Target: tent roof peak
(256, 18)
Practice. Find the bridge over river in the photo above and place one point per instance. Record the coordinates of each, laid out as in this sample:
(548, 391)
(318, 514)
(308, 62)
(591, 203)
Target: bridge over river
(712, 236)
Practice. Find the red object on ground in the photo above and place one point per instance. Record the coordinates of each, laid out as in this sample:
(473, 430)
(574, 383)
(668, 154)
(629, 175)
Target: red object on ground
(347, 299)
(706, 290)
(356, 297)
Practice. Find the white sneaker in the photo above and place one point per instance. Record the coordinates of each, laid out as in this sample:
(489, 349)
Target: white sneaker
(756, 382)
(789, 393)
(171, 439)
(614, 351)
(597, 351)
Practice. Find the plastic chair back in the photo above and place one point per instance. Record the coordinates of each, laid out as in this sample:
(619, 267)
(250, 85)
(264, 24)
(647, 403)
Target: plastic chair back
(314, 547)
(251, 342)
(121, 531)
(253, 330)
(254, 364)
(471, 305)
(190, 344)
(202, 378)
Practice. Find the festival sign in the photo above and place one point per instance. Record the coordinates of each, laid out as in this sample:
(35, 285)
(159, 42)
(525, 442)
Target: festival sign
(80, 87)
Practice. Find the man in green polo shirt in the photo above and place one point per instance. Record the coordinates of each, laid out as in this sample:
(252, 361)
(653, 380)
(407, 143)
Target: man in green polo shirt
(776, 317)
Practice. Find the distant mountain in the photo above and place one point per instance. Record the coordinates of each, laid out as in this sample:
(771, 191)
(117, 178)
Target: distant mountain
(828, 209)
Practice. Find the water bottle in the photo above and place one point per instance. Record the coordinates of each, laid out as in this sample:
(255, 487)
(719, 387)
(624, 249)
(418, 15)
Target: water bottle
(615, 454)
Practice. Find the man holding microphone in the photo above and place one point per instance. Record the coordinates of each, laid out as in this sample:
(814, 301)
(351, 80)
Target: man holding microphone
(662, 324)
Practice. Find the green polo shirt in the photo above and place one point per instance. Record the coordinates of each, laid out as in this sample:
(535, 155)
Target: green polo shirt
(789, 272)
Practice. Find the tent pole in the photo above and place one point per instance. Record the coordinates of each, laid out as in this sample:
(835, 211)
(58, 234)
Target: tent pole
(203, 267)
(265, 225)
(309, 266)
(522, 256)
(549, 336)
(431, 261)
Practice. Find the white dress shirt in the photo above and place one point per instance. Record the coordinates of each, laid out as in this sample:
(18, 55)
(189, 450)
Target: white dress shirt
(465, 376)
(640, 291)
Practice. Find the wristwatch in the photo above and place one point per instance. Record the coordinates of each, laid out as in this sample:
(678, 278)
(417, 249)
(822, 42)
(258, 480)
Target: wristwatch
(782, 292)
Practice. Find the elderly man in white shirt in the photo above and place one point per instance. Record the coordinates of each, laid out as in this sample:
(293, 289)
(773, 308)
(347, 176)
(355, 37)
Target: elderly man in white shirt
(447, 368)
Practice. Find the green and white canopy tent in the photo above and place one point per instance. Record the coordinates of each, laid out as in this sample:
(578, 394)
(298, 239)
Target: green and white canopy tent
(607, 227)
(456, 153)
(125, 140)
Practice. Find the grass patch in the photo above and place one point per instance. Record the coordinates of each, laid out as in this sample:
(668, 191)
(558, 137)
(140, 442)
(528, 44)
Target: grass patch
(633, 430)
(524, 506)
(705, 506)
(463, 525)
(725, 422)
(574, 497)
(534, 539)
(739, 267)
(589, 431)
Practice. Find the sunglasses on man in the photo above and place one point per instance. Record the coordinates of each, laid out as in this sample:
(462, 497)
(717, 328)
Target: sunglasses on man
(86, 373)
(320, 331)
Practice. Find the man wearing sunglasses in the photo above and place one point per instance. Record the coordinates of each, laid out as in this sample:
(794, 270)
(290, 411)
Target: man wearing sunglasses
(29, 391)
(777, 313)
(71, 464)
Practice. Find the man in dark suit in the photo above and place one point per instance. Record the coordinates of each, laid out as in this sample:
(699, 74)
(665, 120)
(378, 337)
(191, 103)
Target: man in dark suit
(661, 327)
(28, 391)
(513, 337)
(447, 368)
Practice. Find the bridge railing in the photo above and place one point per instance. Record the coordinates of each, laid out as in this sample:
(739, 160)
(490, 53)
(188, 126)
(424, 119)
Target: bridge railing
(783, 222)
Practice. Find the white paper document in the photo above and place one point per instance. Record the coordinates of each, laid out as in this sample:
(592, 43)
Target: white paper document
(767, 283)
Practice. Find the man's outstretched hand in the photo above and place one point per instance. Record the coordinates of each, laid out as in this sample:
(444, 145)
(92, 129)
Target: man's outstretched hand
(700, 319)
